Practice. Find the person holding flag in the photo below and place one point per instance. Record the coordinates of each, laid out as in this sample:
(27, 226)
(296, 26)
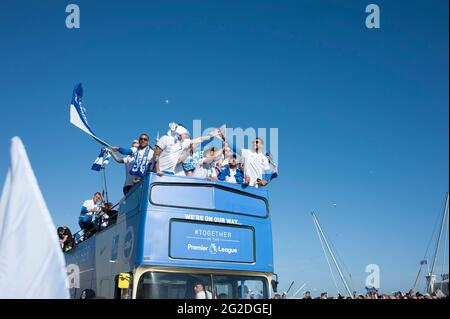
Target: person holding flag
(141, 157)
(128, 161)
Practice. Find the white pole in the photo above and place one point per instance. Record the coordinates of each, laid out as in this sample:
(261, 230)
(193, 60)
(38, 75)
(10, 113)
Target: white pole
(431, 281)
(332, 255)
(299, 289)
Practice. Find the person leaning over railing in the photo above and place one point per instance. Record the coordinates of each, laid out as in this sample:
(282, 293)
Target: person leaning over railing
(88, 213)
(65, 238)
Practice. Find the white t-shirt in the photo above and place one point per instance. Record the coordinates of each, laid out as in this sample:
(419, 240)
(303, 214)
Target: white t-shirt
(231, 178)
(172, 149)
(203, 295)
(255, 164)
(89, 204)
(204, 170)
(129, 162)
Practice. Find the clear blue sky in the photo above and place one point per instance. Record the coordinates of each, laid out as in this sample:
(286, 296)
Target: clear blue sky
(362, 114)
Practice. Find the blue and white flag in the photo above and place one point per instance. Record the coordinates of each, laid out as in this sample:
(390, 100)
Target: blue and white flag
(101, 161)
(272, 171)
(78, 114)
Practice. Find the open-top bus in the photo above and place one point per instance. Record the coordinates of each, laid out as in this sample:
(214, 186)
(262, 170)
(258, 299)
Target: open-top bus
(173, 232)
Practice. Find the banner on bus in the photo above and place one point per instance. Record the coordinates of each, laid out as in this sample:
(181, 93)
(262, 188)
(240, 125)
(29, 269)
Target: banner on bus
(209, 242)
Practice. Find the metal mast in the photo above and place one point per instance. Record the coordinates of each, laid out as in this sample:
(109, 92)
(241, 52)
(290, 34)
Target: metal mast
(431, 276)
(322, 235)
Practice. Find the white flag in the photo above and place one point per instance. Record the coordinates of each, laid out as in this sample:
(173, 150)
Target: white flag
(32, 263)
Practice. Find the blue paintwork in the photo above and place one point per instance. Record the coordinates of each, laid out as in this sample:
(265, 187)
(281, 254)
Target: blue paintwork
(143, 233)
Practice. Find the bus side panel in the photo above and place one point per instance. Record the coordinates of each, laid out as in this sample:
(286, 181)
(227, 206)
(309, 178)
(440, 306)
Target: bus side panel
(158, 237)
(95, 263)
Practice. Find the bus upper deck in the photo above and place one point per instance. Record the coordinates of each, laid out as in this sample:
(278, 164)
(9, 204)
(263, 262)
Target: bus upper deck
(171, 227)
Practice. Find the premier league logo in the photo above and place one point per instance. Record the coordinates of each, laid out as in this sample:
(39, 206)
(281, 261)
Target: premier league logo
(213, 249)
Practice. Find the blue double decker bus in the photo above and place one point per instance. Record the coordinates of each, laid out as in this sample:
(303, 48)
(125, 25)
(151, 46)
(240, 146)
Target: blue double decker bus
(173, 233)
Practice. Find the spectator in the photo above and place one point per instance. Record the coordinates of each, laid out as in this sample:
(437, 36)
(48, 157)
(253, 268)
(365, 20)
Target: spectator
(307, 295)
(172, 149)
(128, 161)
(232, 172)
(88, 213)
(65, 238)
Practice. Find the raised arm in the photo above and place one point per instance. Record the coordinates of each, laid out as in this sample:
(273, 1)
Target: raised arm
(202, 139)
(122, 150)
(156, 154)
(116, 158)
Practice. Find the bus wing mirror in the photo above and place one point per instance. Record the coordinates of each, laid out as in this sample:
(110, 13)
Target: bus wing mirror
(124, 280)
(274, 285)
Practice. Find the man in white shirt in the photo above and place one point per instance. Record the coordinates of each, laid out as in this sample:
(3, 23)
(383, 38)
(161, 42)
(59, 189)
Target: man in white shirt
(88, 213)
(255, 164)
(128, 161)
(172, 149)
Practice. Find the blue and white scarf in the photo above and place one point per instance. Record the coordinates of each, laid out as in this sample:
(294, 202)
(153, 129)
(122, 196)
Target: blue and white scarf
(101, 161)
(141, 163)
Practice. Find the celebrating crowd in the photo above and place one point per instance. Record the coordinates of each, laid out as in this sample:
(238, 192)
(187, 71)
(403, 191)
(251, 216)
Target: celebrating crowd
(176, 154)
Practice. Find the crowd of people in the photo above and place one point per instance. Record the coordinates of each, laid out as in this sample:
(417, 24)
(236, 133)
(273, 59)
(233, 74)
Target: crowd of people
(175, 154)
(373, 294)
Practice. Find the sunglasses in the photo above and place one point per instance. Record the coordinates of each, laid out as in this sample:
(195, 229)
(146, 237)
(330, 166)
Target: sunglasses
(143, 139)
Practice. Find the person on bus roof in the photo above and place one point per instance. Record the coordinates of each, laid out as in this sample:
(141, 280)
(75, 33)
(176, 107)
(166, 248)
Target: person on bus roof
(206, 167)
(174, 148)
(256, 164)
(232, 172)
(142, 157)
(88, 213)
(128, 160)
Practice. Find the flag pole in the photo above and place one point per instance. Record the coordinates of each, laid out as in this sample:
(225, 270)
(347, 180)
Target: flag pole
(106, 185)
